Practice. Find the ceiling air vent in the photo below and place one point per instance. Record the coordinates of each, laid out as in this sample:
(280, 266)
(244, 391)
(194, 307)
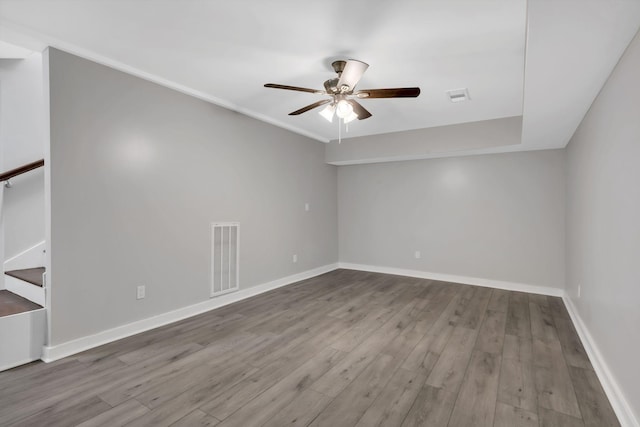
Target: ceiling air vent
(458, 95)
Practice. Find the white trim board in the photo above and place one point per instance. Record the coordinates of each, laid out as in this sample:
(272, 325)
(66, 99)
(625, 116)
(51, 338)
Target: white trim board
(611, 387)
(26, 290)
(487, 283)
(29, 258)
(52, 353)
(22, 336)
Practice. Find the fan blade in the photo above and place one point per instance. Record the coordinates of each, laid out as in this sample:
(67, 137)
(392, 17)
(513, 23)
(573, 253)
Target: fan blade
(352, 73)
(359, 110)
(310, 107)
(299, 89)
(401, 92)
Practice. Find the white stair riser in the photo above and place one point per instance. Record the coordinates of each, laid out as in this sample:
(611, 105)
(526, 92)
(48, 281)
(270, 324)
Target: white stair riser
(21, 338)
(24, 289)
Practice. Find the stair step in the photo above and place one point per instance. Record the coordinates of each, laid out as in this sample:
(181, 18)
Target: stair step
(31, 275)
(11, 303)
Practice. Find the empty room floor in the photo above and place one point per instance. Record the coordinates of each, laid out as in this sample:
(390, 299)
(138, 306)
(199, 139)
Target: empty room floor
(347, 348)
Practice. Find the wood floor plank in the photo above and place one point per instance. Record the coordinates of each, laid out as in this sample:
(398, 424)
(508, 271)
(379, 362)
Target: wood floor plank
(499, 300)
(259, 410)
(351, 404)
(517, 385)
(572, 348)
(391, 406)
(209, 365)
(549, 418)
(555, 390)
(139, 384)
(491, 335)
(476, 401)
(594, 406)
(437, 303)
(301, 411)
(426, 353)
(196, 418)
(233, 398)
(402, 345)
(518, 319)
(357, 360)
(510, 416)
(70, 415)
(542, 324)
(452, 363)
(356, 335)
(117, 416)
(431, 408)
(473, 315)
(557, 307)
(517, 348)
(538, 299)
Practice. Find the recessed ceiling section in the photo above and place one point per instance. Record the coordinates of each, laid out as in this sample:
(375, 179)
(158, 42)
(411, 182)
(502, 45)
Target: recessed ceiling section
(226, 51)
(440, 141)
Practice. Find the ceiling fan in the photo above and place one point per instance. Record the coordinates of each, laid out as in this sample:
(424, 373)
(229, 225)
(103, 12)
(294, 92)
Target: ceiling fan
(343, 95)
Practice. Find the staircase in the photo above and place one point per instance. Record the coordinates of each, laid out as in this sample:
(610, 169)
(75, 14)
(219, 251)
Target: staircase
(22, 316)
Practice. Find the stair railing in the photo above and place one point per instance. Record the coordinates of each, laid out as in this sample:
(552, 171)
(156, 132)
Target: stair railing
(6, 176)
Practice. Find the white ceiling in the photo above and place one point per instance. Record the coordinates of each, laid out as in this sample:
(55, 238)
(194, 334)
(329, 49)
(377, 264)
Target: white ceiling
(11, 51)
(225, 51)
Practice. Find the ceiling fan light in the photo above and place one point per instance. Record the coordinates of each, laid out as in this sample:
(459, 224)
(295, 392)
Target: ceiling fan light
(327, 112)
(351, 75)
(351, 117)
(343, 109)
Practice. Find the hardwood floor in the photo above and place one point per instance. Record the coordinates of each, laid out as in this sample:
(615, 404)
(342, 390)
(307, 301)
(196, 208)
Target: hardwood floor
(346, 348)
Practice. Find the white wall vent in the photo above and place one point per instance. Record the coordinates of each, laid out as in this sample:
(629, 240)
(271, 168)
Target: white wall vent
(458, 95)
(225, 251)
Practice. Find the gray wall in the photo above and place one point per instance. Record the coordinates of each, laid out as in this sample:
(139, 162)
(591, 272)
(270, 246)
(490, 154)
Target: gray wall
(441, 141)
(21, 141)
(138, 172)
(498, 216)
(603, 222)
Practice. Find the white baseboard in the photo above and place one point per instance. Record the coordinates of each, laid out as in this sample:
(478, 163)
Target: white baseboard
(616, 397)
(51, 353)
(488, 283)
(29, 258)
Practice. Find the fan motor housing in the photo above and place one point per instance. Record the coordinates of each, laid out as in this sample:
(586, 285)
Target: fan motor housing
(338, 66)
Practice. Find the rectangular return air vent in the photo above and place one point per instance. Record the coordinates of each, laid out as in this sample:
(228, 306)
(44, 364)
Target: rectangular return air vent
(225, 250)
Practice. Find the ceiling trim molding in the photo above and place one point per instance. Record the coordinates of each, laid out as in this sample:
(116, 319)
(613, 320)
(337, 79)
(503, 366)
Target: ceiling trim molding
(20, 32)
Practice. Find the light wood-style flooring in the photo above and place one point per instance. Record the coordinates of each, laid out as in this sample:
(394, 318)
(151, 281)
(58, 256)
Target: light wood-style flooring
(346, 348)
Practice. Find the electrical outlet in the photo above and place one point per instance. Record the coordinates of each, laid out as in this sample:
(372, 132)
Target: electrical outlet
(418, 255)
(307, 207)
(295, 258)
(141, 292)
